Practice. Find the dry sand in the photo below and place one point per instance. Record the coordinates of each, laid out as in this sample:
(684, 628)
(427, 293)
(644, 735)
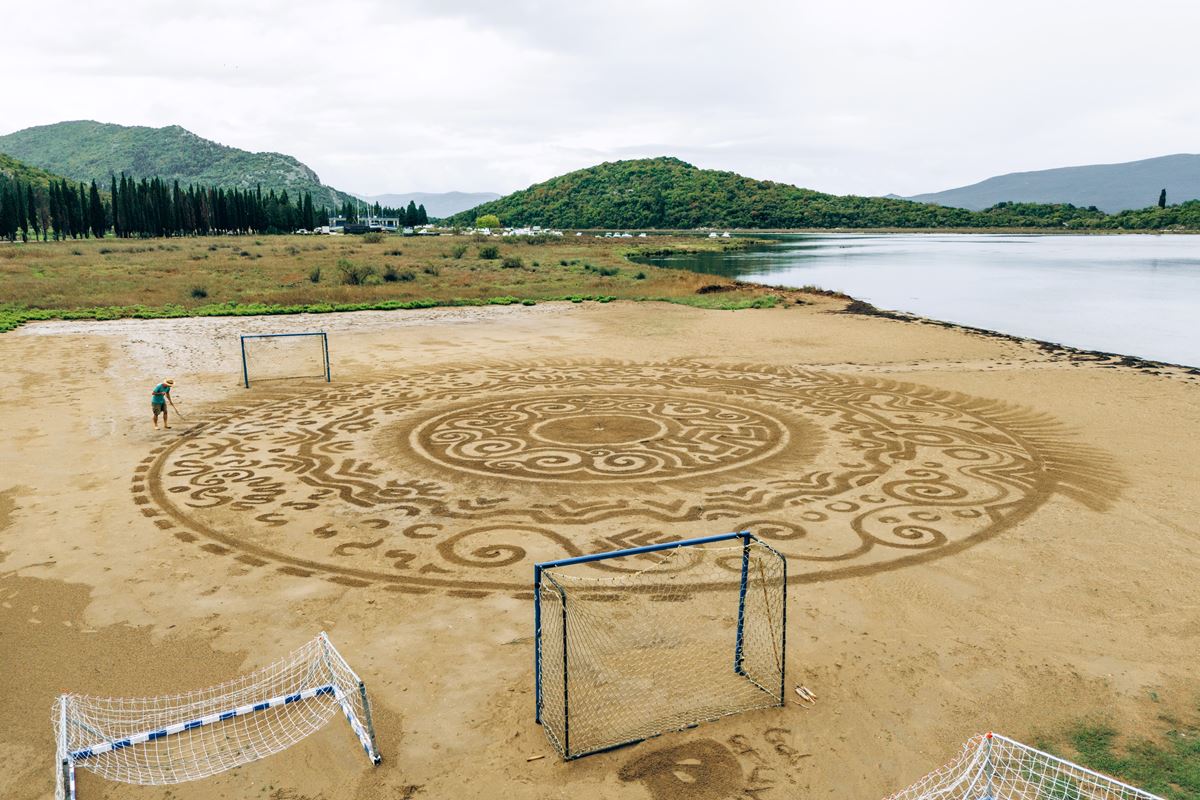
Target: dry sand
(983, 535)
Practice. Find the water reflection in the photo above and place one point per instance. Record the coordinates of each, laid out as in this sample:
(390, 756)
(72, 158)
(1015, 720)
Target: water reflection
(1132, 294)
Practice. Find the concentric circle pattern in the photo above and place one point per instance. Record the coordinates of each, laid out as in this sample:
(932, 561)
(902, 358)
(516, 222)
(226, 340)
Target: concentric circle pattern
(461, 478)
(599, 437)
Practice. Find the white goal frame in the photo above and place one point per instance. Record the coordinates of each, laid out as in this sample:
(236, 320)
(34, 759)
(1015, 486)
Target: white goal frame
(324, 350)
(995, 767)
(143, 740)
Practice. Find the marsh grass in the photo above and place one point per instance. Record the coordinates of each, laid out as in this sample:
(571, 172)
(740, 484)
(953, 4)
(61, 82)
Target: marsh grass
(115, 278)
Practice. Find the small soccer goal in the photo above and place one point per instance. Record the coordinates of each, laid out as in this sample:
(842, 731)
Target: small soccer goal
(633, 643)
(272, 356)
(994, 767)
(164, 740)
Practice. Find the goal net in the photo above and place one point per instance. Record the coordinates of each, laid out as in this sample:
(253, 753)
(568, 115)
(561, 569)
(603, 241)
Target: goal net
(172, 739)
(994, 767)
(271, 356)
(634, 643)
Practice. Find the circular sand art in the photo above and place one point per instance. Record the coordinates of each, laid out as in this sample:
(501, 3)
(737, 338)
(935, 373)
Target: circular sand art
(461, 478)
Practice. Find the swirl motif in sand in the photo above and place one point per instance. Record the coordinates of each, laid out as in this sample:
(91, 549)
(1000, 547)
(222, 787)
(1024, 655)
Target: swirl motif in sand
(458, 479)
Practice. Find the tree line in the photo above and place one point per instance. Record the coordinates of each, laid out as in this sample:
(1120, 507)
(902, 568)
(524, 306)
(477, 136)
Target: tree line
(149, 207)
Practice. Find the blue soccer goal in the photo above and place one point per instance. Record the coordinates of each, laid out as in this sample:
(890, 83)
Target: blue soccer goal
(271, 356)
(633, 643)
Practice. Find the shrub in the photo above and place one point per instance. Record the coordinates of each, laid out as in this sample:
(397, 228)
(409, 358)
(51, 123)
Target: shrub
(512, 262)
(106, 250)
(487, 221)
(609, 272)
(199, 292)
(641, 276)
(314, 275)
(489, 252)
(391, 275)
(212, 248)
(245, 254)
(292, 250)
(393, 252)
(432, 270)
(354, 274)
(373, 237)
(459, 250)
(563, 262)
(372, 280)
(76, 252)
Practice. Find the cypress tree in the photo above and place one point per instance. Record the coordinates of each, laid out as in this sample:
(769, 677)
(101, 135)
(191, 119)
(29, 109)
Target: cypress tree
(1162, 199)
(31, 208)
(96, 212)
(410, 214)
(422, 217)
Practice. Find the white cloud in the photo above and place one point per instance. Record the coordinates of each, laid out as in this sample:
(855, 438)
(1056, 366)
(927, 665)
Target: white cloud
(866, 97)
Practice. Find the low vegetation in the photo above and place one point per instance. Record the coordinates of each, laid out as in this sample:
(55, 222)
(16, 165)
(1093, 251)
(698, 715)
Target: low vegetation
(1166, 763)
(211, 276)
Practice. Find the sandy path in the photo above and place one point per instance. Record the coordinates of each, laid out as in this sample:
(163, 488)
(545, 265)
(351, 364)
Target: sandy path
(1080, 603)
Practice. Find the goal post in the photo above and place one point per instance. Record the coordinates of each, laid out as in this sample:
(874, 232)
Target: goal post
(269, 356)
(166, 740)
(995, 767)
(633, 643)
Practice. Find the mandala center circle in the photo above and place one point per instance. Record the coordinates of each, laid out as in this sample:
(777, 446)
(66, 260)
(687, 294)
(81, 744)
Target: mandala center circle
(598, 437)
(600, 430)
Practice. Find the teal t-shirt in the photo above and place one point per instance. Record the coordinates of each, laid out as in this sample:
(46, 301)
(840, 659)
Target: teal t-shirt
(160, 399)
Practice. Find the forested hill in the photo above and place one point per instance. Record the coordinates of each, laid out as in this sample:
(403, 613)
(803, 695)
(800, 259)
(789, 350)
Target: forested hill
(87, 151)
(18, 171)
(667, 193)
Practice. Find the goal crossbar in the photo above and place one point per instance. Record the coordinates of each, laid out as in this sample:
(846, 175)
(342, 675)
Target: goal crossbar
(83, 719)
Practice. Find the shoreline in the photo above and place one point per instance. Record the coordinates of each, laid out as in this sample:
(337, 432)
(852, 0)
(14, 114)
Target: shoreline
(1072, 353)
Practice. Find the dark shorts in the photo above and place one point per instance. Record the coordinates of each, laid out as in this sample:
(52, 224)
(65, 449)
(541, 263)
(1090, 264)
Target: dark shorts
(158, 407)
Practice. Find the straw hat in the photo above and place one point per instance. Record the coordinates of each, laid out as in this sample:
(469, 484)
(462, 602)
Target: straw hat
(169, 382)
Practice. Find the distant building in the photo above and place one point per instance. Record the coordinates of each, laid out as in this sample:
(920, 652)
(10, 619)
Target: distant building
(365, 224)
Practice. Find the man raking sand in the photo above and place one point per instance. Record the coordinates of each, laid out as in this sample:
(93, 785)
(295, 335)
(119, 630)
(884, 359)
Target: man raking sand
(159, 399)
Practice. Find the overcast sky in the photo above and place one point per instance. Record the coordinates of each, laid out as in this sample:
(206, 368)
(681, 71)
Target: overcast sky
(846, 97)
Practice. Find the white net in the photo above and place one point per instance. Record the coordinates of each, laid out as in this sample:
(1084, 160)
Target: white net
(994, 767)
(290, 355)
(171, 739)
(634, 646)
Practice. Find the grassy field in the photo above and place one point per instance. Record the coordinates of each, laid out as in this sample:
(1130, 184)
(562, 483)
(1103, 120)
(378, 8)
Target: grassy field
(1165, 761)
(110, 278)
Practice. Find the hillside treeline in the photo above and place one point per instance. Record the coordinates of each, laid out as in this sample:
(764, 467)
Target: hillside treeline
(149, 207)
(666, 193)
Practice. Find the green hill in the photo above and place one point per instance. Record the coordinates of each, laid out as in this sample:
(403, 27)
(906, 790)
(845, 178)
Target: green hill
(667, 193)
(16, 170)
(85, 151)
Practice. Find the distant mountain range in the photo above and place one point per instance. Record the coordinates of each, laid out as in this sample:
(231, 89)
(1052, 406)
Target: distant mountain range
(1108, 187)
(437, 204)
(86, 151)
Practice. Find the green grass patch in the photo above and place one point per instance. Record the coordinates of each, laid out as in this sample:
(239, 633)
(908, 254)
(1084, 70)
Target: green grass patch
(1166, 764)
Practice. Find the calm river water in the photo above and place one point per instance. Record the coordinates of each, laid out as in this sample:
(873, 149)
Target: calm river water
(1130, 294)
